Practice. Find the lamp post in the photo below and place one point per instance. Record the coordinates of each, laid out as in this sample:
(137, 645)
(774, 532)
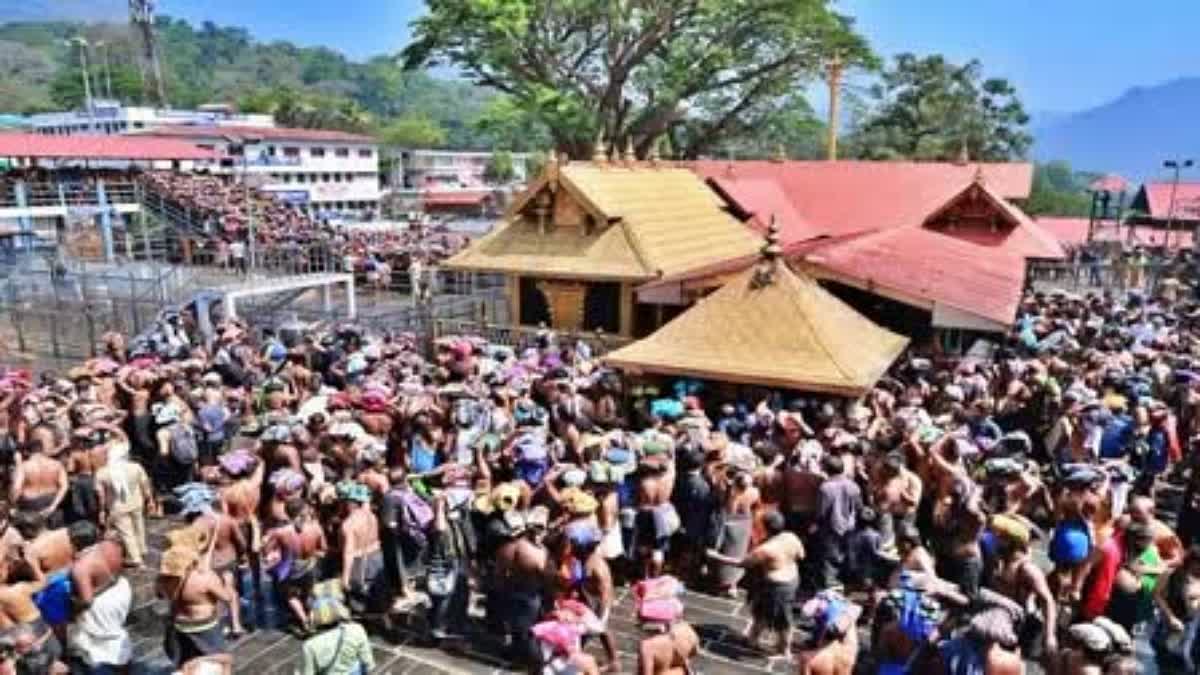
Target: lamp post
(1177, 165)
(82, 43)
(243, 143)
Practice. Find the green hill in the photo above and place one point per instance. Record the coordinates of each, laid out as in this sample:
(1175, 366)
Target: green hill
(303, 86)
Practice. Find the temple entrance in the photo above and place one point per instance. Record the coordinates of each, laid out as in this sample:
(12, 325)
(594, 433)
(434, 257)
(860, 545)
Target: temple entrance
(602, 307)
(535, 310)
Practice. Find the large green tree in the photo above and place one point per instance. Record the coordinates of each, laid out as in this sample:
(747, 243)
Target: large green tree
(1059, 190)
(695, 70)
(931, 109)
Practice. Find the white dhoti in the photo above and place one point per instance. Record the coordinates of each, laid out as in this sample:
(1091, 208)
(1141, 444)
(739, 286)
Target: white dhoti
(99, 636)
(611, 545)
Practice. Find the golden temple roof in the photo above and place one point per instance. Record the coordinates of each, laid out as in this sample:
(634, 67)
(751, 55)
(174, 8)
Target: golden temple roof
(769, 326)
(649, 220)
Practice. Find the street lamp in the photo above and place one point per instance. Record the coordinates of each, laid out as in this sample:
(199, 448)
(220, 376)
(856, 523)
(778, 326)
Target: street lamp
(242, 143)
(82, 43)
(1177, 165)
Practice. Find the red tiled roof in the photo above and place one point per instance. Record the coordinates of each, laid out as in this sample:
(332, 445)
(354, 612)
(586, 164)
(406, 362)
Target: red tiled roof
(1068, 231)
(844, 197)
(1158, 200)
(1026, 238)
(761, 201)
(94, 146)
(929, 267)
(1109, 183)
(264, 133)
(455, 198)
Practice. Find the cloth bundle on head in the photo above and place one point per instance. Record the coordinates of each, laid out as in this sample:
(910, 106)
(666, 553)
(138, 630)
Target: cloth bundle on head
(276, 433)
(657, 600)
(994, 625)
(1122, 642)
(353, 491)
(1091, 637)
(165, 413)
(1011, 528)
(505, 496)
(831, 614)
(287, 482)
(195, 498)
(327, 606)
(238, 463)
(579, 503)
(177, 562)
(574, 477)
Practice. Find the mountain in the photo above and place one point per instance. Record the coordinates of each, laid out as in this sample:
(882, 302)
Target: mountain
(1131, 135)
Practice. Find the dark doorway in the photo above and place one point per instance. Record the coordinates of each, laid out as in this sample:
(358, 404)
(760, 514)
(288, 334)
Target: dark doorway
(534, 308)
(602, 307)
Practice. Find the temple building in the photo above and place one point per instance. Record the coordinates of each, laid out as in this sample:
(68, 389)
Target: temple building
(584, 235)
(768, 326)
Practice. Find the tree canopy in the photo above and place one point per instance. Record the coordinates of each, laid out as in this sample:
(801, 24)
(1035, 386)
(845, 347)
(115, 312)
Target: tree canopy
(927, 108)
(1059, 190)
(697, 71)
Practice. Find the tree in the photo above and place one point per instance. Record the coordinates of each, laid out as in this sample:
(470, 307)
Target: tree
(1059, 191)
(499, 168)
(507, 125)
(413, 132)
(691, 69)
(789, 125)
(930, 109)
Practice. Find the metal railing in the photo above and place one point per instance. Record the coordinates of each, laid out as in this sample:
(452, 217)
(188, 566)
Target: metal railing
(68, 194)
(1101, 275)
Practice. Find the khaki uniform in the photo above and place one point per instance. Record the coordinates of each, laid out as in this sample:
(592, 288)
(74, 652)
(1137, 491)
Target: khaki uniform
(125, 484)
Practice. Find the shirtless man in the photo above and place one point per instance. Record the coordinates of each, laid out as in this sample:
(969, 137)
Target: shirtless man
(84, 459)
(40, 483)
(240, 500)
(21, 625)
(990, 640)
(801, 491)
(777, 561)
(363, 575)
(897, 491)
(103, 599)
(282, 553)
(229, 546)
(514, 601)
(195, 593)
(1170, 548)
(834, 648)
(654, 486)
(1018, 578)
(49, 554)
(670, 652)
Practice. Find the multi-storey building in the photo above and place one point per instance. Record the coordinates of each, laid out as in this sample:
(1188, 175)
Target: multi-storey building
(446, 169)
(110, 117)
(321, 172)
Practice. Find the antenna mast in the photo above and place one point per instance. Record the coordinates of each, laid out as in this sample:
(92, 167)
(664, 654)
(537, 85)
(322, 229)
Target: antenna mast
(141, 15)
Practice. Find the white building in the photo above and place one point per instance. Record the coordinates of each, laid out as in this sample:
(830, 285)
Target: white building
(446, 169)
(319, 171)
(110, 117)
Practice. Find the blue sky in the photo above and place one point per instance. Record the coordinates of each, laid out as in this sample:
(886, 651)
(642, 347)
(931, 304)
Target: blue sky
(1064, 55)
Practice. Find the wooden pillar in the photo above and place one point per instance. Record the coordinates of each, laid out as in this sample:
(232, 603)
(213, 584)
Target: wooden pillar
(512, 284)
(626, 310)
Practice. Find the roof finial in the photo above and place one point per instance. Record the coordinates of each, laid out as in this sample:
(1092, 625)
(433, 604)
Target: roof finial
(764, 274)
(630, 153)
(980, 179)
(600, 150)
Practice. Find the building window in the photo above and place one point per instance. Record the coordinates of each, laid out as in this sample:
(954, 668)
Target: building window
(337, 177)
(366, 152)
(316, 152)
(291, 152)
(138, 125)
(325, 178)
(235, 150)
(270, 151)
(300, 178)
(341, 152)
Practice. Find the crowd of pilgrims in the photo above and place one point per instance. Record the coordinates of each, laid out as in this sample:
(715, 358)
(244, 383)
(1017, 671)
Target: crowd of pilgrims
(971, 515)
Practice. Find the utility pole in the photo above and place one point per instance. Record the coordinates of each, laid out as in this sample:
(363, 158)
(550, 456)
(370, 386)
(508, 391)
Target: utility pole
(834, 72)
(1177, 165)
(82, 43)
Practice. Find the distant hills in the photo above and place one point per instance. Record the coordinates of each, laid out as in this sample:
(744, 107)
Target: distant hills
(1130, 135)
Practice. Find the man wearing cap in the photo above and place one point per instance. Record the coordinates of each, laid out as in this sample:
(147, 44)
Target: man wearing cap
(40, 483)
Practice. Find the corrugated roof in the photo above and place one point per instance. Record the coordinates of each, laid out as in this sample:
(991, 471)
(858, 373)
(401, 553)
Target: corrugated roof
(98, 147)
(1068, 231)
(926, 268)
(207, 131)
(1155, 199)
(789, 333)
(656, 221)
(844, 197)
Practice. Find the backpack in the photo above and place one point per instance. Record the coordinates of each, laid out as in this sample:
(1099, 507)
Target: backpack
(183, 444)
(418, 516)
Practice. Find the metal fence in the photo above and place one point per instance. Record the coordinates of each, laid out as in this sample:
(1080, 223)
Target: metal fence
(520, 337)
(1100, 276)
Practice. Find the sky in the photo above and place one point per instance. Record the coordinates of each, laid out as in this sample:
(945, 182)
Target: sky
(1063, 55)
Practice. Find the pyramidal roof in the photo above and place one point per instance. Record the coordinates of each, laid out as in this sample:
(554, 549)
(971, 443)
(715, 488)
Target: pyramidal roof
(769, 326)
